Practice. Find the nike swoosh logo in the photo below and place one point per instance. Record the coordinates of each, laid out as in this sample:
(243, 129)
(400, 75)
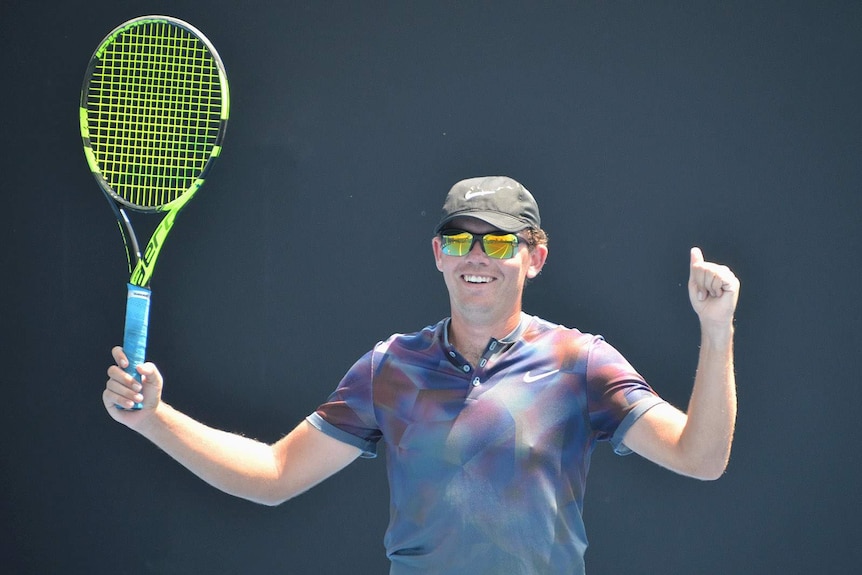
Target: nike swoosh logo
(472, 194)
(529, 378)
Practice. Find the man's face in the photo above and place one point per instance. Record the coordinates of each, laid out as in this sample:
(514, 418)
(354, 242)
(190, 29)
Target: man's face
(480, 284)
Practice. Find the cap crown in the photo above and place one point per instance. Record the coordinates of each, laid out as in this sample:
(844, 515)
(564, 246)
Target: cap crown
(498, 200)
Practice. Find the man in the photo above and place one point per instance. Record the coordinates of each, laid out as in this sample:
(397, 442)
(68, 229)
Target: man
(489, 417)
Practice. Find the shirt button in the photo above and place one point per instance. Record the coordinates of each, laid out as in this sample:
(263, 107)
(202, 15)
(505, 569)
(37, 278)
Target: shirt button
(466, 368)
(451, 354)
(476, 382)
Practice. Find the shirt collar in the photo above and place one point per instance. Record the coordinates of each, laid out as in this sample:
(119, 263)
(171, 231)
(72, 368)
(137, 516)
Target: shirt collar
(494, 345)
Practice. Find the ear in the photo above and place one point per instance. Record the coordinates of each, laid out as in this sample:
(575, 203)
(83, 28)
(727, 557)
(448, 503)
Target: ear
(538, 256)
(438, 254)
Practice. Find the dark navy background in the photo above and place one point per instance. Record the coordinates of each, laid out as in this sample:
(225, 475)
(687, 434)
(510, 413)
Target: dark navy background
(643, 129)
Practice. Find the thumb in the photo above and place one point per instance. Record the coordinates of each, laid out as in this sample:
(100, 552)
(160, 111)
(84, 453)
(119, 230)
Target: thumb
(149, 373)
(694, 272)
(696, 256)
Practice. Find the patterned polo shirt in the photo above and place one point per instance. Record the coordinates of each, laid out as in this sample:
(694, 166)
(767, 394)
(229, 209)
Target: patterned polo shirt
(487, 464)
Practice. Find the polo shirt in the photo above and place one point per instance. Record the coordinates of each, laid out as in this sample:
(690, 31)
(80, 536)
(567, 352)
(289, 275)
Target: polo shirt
(487, 464)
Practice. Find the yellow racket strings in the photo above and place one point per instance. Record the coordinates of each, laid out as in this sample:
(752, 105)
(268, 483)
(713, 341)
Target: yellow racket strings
(154, 106)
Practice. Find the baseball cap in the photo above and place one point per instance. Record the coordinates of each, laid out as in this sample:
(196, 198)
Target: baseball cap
(497, 200)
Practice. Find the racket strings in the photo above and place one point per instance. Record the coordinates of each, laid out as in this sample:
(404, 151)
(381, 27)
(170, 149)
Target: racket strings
(154, 106)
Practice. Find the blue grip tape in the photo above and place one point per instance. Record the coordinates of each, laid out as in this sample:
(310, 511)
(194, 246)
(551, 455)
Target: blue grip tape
(135, 334)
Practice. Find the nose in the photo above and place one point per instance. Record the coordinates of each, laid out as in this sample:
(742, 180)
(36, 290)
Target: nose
(477, 252)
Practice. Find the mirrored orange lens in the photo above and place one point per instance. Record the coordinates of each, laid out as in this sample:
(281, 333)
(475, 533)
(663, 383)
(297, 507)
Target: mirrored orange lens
(497, 246)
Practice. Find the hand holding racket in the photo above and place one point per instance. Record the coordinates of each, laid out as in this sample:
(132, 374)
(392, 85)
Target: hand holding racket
(154, 108)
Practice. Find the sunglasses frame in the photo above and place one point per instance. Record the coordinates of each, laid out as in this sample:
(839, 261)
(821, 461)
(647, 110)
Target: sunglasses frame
(481, 239)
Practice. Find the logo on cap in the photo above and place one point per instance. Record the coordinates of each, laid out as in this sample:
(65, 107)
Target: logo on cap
(473, 193)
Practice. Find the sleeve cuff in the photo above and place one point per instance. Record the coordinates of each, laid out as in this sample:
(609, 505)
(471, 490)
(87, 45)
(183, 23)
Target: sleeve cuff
(637, 411)
(368, 448)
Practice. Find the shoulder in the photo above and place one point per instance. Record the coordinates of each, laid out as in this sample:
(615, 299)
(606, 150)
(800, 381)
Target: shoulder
(541, 330)
(409, 347)
(570, 347)
(416, 340)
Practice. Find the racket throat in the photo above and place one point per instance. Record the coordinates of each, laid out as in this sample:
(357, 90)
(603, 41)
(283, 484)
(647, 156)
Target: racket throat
(134, 248)
(143, 270)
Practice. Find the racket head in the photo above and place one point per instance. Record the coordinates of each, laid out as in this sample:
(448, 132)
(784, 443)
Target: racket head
(154, 108)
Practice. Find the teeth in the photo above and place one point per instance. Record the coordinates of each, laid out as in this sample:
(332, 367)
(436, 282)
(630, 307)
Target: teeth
(477, 279)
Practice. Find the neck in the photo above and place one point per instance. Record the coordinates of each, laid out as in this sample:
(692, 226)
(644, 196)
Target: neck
(471, 335)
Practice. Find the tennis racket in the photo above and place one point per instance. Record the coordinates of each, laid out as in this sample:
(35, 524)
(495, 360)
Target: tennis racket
(154, 108)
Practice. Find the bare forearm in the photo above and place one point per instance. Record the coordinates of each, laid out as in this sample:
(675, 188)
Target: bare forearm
(708, 432)
(234, 464)
(268, 474)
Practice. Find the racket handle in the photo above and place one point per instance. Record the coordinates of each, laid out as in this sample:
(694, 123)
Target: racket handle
(135, 333)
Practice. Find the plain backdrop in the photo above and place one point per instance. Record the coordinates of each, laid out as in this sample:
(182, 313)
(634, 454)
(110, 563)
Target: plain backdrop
(643, 128)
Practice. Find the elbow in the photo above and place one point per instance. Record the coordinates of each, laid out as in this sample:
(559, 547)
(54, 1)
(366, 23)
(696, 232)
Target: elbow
(267, 495)
(272, 499)
(705, 462)
(275, 495)
(260, 498)
(710, 475)
(268, 500)
(707, 470)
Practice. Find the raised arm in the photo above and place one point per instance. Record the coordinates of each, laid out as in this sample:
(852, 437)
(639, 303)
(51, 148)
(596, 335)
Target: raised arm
(244, 467)
(697, 443)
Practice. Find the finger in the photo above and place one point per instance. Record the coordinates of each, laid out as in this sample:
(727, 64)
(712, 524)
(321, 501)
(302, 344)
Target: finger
(696, 256)
(150, 374)
(121, 375)
(121, 389)
(112, 401)
(122, 378)
(706, 281)
(729, 281)
(120, 357)
(714, 284)
(696, 273)
(123, 395)
(147, 369)
(714, 279)
(117, 404)
(115, 373)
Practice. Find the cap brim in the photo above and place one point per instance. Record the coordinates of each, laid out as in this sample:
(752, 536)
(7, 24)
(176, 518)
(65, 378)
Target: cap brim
(503, 222)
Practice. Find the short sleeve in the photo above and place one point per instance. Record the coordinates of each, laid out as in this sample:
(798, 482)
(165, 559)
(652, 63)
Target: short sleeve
(348, 413)
(617, 395)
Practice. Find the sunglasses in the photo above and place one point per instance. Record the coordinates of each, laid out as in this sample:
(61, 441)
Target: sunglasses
(497, 245)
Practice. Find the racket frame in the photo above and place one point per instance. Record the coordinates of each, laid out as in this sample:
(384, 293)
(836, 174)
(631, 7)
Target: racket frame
(142, 263)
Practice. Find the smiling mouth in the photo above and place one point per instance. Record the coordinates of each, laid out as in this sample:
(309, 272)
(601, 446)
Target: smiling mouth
(474, 279)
